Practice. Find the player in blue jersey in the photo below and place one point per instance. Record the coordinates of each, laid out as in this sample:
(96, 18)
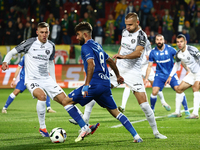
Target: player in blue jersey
(97, 83)
(21, 87)
(163, 56)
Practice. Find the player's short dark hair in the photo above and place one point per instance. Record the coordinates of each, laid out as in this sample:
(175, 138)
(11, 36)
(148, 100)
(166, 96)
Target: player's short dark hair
(181, 36)
(83, 26)
(132, 15)
(43, 25)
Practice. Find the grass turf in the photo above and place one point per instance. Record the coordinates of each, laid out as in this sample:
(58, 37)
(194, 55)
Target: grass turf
(19, 127)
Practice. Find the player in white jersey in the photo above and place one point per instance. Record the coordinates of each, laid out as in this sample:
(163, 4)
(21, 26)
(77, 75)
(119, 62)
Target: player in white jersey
(39, 55)
(190, 55)
(144, 63)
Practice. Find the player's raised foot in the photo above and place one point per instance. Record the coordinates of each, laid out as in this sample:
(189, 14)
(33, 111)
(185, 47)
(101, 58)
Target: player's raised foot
(4, 111)
(192, 116)
(138, 140)
(94, 127)
(51, 111)
(166, 106)
(44, 132)
(160, 136)
(187, 113)
(83, 134)
(174, 115)
(121, 109)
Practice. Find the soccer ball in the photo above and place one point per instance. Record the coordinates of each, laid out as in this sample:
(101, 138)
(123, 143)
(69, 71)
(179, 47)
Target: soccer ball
(58, 135)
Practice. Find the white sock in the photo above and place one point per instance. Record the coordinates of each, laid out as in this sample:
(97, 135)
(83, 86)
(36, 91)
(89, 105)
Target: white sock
(150, 116)
(125, 96)
(79, 111)
(179, 99)
(41, 106)
(196, 103)
(48, 108)
(12, 95)
(161, 96)
(88, 110)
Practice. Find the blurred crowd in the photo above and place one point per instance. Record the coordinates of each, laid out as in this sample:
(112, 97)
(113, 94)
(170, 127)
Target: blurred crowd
(19, 19)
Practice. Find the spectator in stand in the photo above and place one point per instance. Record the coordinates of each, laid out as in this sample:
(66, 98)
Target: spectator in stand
(38, 8)
(51, 21)
(12, 15)
(56, 6)
(1, 33)
(33, 30)
(110, 34)
(197, 29)
(27, 31)
(120, 6)
(84, 4)
(98, 33)
(146, 6)
(92, 15)
(55, 32)
(152, 37)
(10, 34)
(19, 33)
(191, 31)
(167, 27)
(129, 8)
(191, 9)
(65, 29)
(186, 34)
(109, 21)
(179, 23)
(74, 19)
(196, 20)
(100, 7)
(88, 19)
(18, 21)
(138, 11)
(22, 7)
(153, 21)
(120, 22)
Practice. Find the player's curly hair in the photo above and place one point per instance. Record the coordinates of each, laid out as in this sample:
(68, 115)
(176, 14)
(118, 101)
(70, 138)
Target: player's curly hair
(83, 26)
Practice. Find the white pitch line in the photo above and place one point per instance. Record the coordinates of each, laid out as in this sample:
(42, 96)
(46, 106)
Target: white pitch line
(120, 125)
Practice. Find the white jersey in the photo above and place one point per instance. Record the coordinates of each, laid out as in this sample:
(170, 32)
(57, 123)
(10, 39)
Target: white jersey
(146, 53)
(129, 43)
(37, 56)
(191, 57)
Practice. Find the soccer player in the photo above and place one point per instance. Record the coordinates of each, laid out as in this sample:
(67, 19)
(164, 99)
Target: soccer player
(21, 87)
(129, 64)
(39, 55)
(163, 56)
(144, 63)
(190, 55)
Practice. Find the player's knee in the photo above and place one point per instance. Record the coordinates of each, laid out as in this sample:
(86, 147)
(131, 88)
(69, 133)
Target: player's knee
(42, 97)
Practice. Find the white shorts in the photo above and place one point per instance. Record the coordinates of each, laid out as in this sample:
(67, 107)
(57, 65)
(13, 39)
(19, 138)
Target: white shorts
(49, 86)
(151, 75)
(132, 78)
(191, 78)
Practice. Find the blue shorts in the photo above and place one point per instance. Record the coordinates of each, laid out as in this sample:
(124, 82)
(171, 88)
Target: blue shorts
(100, 93)
(160, 82)
(21, 86)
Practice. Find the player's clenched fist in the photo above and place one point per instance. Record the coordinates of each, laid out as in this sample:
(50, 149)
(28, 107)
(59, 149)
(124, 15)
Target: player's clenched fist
(4, 66)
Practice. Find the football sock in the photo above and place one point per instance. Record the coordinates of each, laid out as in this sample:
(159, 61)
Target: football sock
(41, 113)
(79, 111)
(125, 96)
(88, 110)
(73, 112)
(153, 100)
(196, 103)
(161, 96)
(48, 102)
(150, 116)
(126, 123)
(9, 100)
(179, 99)
(184, 103)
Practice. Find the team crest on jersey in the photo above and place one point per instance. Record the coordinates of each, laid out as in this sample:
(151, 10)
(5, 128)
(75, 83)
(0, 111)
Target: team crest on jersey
(157, 53)
(47, 52)
(166, 52)
(133, 41)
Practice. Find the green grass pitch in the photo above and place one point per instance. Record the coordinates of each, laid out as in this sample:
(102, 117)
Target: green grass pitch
(19, 127)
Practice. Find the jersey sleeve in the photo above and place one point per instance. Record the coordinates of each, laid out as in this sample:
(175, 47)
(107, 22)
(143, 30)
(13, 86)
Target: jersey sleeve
(87, 52)
(194, 52)
(148, 48)
(151, 56)
(54, 50)
(141, 39)
(25, 45)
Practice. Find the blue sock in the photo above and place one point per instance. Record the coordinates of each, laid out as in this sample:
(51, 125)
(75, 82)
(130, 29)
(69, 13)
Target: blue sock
(126, 123)
(184, 103)
(48, 101)
(153, 100)
(73, 112)
(9, 100)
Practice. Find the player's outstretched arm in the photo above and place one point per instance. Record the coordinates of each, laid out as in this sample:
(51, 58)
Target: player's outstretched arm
(15, 76)
(115, 69)
(147, 73)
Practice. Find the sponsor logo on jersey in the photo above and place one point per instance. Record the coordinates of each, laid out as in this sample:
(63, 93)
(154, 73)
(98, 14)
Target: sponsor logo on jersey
(42, 46)
(161, 54)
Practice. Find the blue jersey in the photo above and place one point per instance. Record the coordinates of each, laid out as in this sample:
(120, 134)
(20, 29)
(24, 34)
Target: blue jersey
(22, 73)
(93, 50)
(164, 60)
